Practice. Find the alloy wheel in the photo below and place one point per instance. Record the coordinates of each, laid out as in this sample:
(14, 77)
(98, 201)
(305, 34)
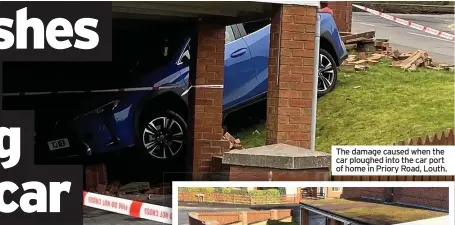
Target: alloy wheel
(326, 73)
(163, 137)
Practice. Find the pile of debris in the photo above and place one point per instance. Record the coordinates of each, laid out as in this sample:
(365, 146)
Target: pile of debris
(365, 42)
(234, 143)
(133, 190)
(371, 51)
(361, 61)
(412, 60)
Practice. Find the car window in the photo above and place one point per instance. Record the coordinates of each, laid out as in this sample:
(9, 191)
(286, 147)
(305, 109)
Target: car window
(242, 30)
(253, 26)
(229, 35)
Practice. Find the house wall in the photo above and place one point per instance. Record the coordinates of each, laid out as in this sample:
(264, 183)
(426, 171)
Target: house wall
(436, 197)
(291, 190)
(330, 193)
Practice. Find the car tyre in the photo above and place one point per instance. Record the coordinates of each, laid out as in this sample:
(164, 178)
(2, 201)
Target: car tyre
(327, 73)
(162, 135)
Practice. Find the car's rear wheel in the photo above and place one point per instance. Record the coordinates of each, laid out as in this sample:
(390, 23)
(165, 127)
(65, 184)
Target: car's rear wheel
(327, 75)
(163, 135)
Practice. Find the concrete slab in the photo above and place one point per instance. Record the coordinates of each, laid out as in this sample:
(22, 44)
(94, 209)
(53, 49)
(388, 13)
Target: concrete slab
(279, 156)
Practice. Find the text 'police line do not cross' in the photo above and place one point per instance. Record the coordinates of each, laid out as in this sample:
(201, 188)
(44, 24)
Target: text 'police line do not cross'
(44, 31)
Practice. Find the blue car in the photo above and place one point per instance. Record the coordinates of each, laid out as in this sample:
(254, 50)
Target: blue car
(147, 107)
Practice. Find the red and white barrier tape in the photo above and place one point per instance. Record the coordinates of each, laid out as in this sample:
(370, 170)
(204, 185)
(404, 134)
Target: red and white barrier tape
(128, 207)
(408, 23)
(112, 90)
(203, 86)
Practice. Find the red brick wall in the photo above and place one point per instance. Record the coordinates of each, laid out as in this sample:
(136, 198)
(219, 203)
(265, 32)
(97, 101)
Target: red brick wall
(247, 217)
(342, 13)
(357, 192)
(434, 197)
(208, 132)
(426, 197)
(289, 98)
(95, 176)
(193, 219)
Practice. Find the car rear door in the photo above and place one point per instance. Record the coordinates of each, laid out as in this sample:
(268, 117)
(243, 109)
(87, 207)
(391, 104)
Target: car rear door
(239, 73)
(257, 37)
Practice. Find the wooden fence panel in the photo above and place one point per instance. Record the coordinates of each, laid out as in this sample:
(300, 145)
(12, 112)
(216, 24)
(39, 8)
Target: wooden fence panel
(237, 199)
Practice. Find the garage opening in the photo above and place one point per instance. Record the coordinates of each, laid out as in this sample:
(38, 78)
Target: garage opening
(112, 112)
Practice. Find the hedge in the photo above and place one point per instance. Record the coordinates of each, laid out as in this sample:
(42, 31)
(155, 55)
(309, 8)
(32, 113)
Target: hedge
(242, 191)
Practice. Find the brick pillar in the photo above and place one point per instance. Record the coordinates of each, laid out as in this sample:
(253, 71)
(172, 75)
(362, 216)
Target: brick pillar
(95, 177)
(304, 217)
(208, 112)
(342, 13)
(289, 98)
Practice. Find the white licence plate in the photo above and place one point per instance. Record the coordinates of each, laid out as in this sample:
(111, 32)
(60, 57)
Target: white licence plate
(58, 144)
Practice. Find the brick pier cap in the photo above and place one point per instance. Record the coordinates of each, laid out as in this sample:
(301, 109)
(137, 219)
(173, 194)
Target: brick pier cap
(278, 156)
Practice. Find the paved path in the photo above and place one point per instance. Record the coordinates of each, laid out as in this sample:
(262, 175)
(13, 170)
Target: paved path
(408, 39)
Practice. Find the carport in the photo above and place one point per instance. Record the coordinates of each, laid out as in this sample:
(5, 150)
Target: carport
(290, 78)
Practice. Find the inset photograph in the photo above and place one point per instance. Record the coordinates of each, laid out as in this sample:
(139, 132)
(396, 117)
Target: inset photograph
(329, 203)
(239, 205)
(374, 205)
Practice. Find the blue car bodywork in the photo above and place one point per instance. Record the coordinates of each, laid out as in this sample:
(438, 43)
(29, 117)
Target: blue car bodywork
(246, 72)
(175, 75)
(245, 76)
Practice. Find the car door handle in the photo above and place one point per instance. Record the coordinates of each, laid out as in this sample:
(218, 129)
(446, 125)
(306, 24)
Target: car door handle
(238, 52)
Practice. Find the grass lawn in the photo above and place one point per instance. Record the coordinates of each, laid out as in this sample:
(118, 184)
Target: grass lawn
(377, 107)
(375, 213)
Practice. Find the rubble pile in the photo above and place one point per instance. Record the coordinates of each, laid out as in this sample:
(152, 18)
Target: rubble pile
(371, 51)
(234, 143)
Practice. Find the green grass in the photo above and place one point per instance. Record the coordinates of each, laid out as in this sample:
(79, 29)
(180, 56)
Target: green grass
(378, 107)
(253, 136)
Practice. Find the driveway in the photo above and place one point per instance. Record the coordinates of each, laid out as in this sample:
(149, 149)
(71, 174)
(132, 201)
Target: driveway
(407, 39)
